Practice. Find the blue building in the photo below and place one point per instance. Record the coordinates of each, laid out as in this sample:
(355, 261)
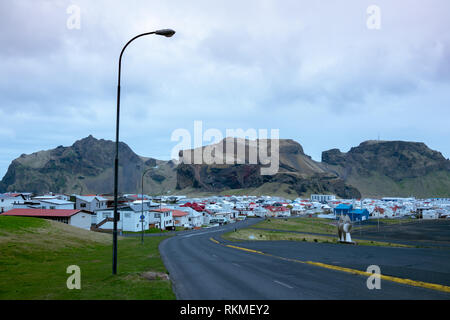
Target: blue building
(353, 214)
(342, 209)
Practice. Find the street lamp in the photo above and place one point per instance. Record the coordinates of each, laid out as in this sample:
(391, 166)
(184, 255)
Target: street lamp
(142, 205)
(163, 32)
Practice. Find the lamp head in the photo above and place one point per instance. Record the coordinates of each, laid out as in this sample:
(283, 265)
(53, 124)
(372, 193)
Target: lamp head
(165, 32)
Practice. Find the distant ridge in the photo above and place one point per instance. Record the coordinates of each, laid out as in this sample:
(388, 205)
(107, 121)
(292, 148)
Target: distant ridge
(86, 167)
(374, 168)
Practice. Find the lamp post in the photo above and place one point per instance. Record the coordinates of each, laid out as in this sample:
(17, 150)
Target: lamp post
(142, 207)
(166, 33)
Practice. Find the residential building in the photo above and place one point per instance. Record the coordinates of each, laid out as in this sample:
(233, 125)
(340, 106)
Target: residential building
(323, 198)
(76, 218)
(90, 203)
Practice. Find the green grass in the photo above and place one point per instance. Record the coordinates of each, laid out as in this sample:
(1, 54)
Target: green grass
(318, 225)
(313, 225)
(35, 256)
(20, 225)
(155, 230)
(264, 235)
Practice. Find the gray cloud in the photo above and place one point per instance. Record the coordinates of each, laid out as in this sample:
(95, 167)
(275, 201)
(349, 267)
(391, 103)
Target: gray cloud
(310, 68)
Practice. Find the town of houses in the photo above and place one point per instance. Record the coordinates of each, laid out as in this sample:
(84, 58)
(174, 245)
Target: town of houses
(139, 212)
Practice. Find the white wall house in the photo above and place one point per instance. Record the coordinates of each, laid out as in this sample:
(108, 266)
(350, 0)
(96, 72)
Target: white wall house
(56, 204)
(76, 218)
(322, 198)
(7, 202)
(181, 218)
(90, 203)
(195, 219)
(162, 218)
(129, 220)
(260, 212)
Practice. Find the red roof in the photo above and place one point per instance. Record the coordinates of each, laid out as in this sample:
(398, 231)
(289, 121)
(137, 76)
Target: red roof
(41, 212)
(276, 208)
(179, 213)
(161, 210)
(13, 194)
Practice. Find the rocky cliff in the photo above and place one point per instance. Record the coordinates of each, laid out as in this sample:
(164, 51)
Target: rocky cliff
(298, 174)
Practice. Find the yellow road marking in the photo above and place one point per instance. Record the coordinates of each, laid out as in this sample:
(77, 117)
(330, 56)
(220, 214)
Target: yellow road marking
(214, 240)
(415, 283)
(433, 286)
(244, 249)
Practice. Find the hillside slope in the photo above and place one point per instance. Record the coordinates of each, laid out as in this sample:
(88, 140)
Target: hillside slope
(397, 168)
(87, 167)
(298, 174)
(35, 255)
(374, 168)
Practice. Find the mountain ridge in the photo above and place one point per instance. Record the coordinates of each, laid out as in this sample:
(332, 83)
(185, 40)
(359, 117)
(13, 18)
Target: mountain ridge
(373, 168)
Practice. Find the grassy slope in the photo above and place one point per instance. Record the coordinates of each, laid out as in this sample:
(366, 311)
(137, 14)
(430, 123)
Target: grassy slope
(264, 235)
(435, 184)
(314, 225)
(307, 225)
(35, 254)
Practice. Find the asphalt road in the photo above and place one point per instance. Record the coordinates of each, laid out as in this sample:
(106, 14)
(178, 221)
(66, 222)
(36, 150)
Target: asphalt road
(202, 269)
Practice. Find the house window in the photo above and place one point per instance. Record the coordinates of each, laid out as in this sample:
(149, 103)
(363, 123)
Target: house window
(83, 205)
(127, 215)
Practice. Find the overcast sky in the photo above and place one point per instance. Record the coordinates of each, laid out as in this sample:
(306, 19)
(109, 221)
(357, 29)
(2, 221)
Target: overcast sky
(312, 69)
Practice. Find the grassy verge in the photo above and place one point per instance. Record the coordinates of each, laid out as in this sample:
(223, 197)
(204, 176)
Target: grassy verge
(264, 235)
(314, 225)
(36, 253)
(319, 225)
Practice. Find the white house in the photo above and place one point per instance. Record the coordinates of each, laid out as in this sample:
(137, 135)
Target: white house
(181, 218)
(56, 204)
(195, 219)
(129, 219)
(322, 198)
(430, 214)
(260, 212)
(7, 202)
(76, 218)
(162, 218)
(90, 203)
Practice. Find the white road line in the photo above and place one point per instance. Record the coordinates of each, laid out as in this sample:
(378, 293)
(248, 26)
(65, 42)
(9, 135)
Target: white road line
(236, 264)
(283, 284)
